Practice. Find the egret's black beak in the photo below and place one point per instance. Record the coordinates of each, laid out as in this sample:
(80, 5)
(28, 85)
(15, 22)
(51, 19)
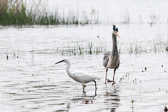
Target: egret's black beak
(117, 34)
(59, 61)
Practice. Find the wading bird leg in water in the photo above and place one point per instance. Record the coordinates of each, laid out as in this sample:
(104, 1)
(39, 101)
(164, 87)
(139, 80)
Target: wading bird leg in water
(95, 85)
(107, 80)
(83, 88)
(106, 75)
(113, 82)
(96, 92)
(95, 89)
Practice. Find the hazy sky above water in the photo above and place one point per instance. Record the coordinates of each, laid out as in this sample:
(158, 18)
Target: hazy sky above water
(115, 10)
(138, 11)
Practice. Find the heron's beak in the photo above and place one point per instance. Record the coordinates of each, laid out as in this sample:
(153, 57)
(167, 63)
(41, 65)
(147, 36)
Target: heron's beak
(59, 61)
(117, 34)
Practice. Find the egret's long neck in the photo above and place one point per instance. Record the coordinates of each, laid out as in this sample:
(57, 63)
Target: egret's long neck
(67, 69)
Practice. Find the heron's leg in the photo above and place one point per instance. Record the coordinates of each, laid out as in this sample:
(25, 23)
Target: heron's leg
(106, 75)
(83, 88)
(107, 80)
(114, 76)
(83, 85)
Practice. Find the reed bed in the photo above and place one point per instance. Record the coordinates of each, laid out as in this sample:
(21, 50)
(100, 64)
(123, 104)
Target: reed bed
(131, 48)
(143, 47)
(95, 49)
(15, 12)
(89, 49)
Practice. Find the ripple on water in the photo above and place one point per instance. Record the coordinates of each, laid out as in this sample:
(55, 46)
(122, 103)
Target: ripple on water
(32, 82)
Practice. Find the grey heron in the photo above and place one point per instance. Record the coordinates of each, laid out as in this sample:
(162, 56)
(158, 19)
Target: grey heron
(111, 60)
(78, 76)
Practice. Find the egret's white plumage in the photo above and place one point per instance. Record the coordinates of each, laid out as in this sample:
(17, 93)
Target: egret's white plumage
(78, 76)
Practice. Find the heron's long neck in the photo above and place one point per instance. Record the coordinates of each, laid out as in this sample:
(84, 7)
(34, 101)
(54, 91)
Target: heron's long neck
(114, 44)
(67, 69)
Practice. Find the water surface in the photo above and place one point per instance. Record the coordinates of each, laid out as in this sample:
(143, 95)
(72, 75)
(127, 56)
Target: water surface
(29, 80)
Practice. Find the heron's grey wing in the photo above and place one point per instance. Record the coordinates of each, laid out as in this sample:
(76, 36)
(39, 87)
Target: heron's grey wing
(106, 58)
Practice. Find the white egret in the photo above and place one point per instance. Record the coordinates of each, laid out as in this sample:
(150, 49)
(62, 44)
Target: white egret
(112, 59)
(79, 77)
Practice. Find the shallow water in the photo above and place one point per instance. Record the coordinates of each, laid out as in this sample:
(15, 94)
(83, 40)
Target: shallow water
(49, 39)
(29, 80)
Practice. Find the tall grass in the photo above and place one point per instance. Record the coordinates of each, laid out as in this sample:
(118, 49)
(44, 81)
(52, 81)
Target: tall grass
(131, 48)
(89, 49)
(135, 47)
(143, 47)
(15, 12)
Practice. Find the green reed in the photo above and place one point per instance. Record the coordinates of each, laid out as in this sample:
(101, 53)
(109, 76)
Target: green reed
(90, 49)
(144, 47)
(15, 12)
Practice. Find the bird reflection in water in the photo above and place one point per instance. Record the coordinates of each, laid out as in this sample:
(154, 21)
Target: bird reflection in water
(112, 98)
(85, 99)
(109, 99)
